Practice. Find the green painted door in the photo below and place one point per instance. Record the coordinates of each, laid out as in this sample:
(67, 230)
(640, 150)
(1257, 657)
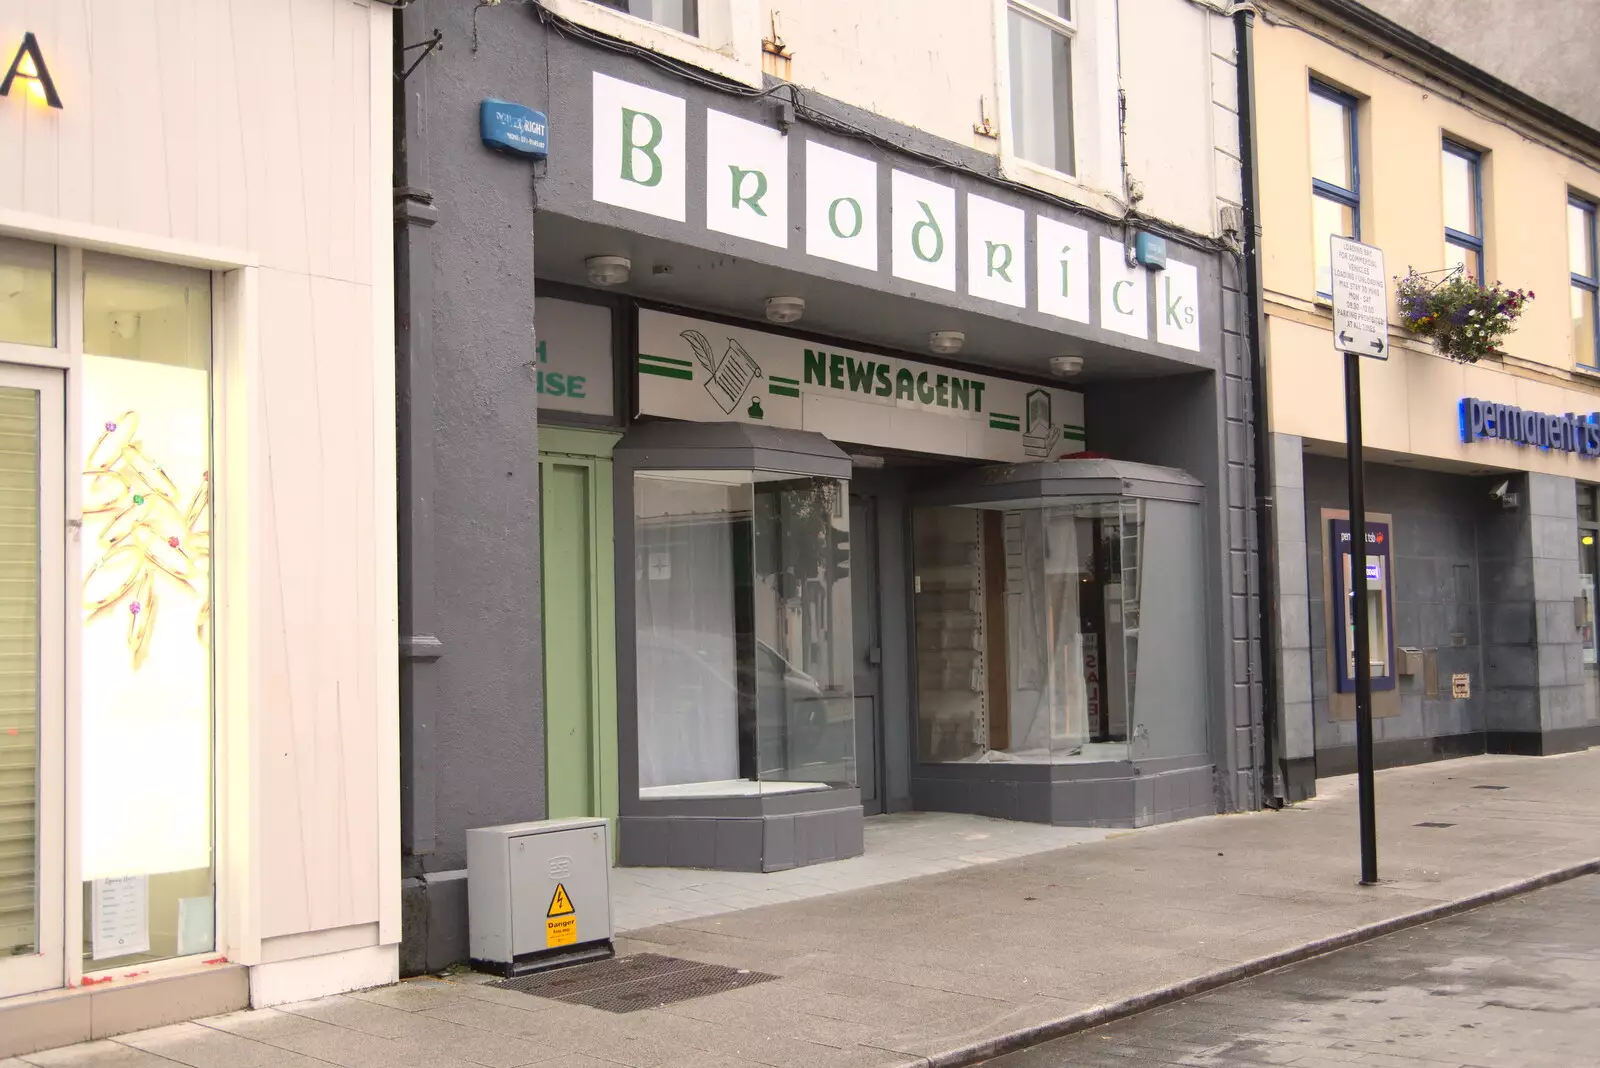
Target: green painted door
(579, 613)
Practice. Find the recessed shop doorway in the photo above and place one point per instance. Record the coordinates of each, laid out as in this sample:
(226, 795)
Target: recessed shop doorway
(868, 651)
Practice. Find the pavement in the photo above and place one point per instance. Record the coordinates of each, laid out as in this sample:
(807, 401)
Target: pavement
(950, 968)
(1511, 984)
(904, 845)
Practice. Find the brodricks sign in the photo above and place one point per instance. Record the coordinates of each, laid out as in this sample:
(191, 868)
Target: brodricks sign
(1565, 433)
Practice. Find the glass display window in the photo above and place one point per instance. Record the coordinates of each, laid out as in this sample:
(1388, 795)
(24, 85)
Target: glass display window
(743, 634)
(1059, 631)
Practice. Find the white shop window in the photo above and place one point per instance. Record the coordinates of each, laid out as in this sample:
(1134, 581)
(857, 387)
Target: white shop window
(721, 36)
(1057, 68)
(106, 756)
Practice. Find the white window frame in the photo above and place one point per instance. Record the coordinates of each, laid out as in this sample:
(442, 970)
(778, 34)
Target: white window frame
(729, 42)
(234, 288)
(1096, 129)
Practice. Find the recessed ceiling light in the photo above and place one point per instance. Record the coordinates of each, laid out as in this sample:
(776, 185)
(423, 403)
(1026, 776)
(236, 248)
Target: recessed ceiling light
(946, 342)
(608, 270)
(785, 309)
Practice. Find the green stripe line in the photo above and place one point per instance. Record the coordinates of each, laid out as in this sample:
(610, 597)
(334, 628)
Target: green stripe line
(1074, 435)
(783, 391)
(1002, 415)
(785, 381)
(1072, 426)
(665, 359)
(667, 372)
(996, 425)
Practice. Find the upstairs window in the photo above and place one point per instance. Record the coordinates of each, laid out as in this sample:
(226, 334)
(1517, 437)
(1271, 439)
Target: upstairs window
(1335, 176)
(1040, 36)
(680, 15)
(1585, 282)
(1463, 208)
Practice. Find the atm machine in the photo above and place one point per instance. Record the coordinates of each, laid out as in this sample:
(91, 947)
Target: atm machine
(1366, 587)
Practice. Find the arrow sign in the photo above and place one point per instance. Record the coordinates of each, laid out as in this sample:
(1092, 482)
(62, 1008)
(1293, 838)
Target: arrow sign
(1360, 298)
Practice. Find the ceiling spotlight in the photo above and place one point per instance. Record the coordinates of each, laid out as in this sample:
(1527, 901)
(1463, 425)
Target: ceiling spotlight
(785, 309)
(946, 342)
(607, 270)
(1066, 366)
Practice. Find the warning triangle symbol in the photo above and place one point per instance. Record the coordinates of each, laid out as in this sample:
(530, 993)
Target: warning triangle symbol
(560, 903)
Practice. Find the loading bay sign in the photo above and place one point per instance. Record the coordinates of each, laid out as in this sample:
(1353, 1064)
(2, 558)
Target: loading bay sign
(1360, 299)
(561, 920)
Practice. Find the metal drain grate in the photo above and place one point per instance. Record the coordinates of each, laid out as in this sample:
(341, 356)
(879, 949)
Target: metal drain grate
(628, 984)
(1432, 824)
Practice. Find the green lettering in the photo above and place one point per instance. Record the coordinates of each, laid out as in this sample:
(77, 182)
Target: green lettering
(816, 368)
(648, 147)
(836, 371)
(1172, 305)
(977, 396)
(938, 237)
(1004, 264)
(960, 394)
(860, 375)
(1116, 297)
(754, 199)
(942, 391)
(884, 387)
(833, 217)
(924, 390)
(905, 386)
(1066, 271)
(539, 351)
(576, 385)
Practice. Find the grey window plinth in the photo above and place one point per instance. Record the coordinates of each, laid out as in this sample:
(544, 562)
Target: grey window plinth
(1107, 794)
(773, 834)
(663, 446)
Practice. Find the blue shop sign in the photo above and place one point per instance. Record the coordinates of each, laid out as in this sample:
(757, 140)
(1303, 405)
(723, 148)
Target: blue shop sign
(1572, 433)
(512, 128)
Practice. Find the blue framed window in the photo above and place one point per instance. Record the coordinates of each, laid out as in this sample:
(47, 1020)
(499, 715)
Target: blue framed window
(1335, 175)
(1585, 282)
(1462, 169)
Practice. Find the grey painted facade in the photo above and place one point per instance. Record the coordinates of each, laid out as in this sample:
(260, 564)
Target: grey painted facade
(480, 233)
(1480, 589)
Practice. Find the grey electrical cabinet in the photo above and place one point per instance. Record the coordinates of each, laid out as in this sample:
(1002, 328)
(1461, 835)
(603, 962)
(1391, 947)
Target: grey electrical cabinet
(538, 894)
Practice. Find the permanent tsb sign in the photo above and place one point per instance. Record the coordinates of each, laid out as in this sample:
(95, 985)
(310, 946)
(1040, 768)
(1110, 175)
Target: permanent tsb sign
(712, 372)
(1578, 434)
(641, 146)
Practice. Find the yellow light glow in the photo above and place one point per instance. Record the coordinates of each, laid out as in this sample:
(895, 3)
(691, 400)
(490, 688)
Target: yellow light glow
(26, 68)
(1588, 539)
(36, 90)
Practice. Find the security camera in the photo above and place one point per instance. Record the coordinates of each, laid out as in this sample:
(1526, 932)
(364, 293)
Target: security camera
(1066, 366)
(1504, 495)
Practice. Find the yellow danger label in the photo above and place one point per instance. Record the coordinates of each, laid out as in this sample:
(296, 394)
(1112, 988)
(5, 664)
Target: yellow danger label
(560, 903)
(560, 930)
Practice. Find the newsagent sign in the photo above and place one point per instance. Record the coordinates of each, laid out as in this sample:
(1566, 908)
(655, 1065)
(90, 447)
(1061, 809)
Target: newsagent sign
(711, 372)
(641, 162)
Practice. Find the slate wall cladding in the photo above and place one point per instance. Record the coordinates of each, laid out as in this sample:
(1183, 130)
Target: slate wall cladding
(1448, 544)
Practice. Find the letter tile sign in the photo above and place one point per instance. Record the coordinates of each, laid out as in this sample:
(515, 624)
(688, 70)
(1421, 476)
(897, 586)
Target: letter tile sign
(747, 179)
(639, 148)
(640, 163)
(924, 230)
(841, 206)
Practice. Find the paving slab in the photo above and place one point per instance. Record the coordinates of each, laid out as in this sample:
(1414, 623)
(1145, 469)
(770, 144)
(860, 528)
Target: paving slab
(880, 969)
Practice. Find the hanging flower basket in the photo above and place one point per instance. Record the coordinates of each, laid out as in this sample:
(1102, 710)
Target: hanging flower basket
(1464, 318)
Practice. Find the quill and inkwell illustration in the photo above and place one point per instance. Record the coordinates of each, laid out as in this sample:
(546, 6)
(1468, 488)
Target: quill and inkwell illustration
(729, 377)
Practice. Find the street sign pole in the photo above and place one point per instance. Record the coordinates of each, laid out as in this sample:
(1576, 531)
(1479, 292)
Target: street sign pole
(1360, 330)
(1358, 617)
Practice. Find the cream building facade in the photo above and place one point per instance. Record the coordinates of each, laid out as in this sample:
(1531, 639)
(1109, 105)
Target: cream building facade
(1487, 582)
(198, 735)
